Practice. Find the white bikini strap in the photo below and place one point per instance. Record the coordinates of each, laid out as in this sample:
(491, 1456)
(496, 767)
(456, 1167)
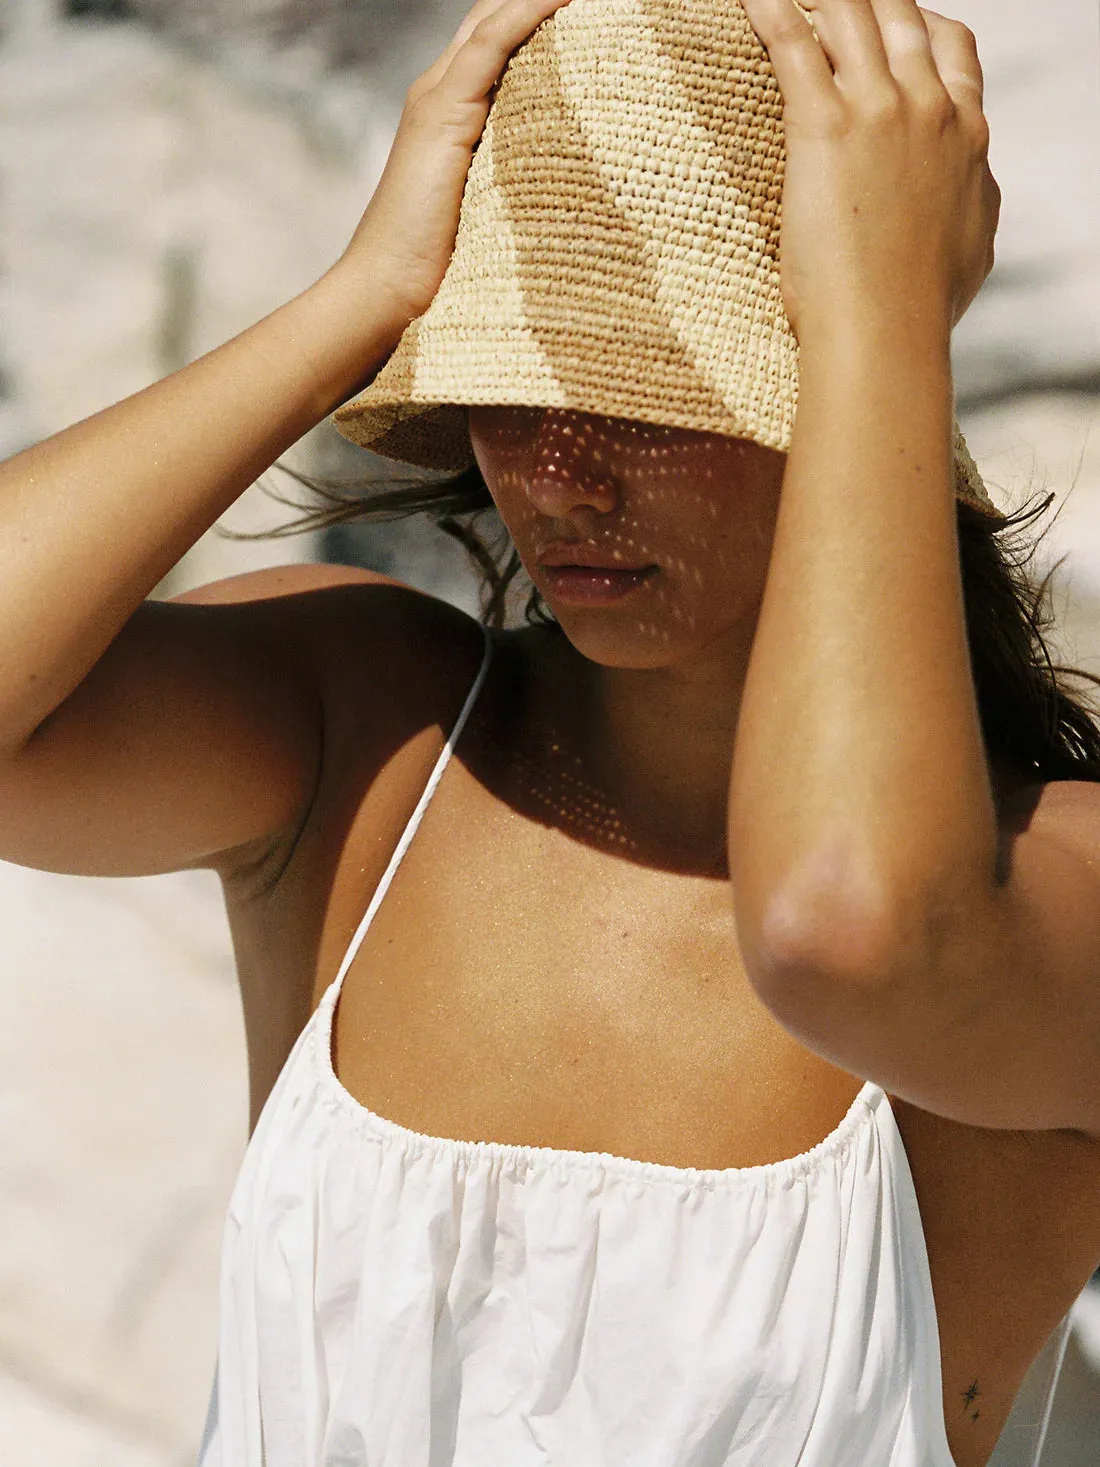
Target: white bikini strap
(417, 816)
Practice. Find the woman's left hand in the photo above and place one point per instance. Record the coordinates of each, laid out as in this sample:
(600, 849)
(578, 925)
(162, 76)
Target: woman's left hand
(888, 202)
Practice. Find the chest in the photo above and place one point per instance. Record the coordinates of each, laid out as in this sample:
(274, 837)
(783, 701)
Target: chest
(523, 985)
(542, 996)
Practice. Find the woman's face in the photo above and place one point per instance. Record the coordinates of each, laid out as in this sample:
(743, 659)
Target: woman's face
(700, 508)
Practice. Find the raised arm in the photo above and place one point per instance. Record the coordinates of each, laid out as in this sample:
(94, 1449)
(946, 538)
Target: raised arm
(138, 736)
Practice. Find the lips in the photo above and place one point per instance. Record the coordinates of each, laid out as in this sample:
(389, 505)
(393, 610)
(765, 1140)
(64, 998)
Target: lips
(585, 585)
(585, 557)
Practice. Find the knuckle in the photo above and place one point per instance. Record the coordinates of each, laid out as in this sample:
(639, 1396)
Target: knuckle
(882, 107)
(417, 100)
(489, 29)
(938, 106)
(964, 32)
(428, 115)
(792, 29)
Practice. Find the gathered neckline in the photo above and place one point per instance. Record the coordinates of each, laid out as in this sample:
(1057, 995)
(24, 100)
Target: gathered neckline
(508, 1156)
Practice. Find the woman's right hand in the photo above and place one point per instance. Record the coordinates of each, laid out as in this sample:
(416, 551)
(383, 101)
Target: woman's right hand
(405, 240)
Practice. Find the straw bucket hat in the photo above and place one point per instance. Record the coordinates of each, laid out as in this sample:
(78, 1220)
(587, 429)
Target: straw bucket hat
(618, 247)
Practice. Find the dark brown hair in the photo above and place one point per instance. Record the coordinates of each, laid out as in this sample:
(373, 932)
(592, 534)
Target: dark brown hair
(1029, 717)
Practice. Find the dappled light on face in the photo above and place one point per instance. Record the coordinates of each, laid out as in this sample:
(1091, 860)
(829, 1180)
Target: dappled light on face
(693, 513)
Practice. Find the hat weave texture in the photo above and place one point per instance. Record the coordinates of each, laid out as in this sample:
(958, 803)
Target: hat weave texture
(618, 247)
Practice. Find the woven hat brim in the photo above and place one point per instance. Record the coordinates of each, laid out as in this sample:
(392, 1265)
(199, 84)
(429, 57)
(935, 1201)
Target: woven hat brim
(436, 436)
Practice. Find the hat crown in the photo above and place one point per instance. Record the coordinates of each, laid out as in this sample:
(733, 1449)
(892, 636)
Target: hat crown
(618, 247)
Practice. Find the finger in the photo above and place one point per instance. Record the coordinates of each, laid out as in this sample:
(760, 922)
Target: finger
(955, 49)
(906, 39)
(514, 22)
(800, 64)
(492, 39)
(435, 73)
(469, 24)
(852, 39)
(479, 13)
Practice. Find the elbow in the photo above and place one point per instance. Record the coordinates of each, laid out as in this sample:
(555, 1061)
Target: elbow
(832, 984)
(825, 931)
(847, 951)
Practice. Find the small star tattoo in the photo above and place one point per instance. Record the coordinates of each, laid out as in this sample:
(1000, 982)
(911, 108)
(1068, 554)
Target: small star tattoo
(969, 1394)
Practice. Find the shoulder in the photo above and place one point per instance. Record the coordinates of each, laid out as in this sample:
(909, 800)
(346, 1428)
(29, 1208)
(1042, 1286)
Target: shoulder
(280, 580)
(311, 591)
(357, 629)
(1066, 807)
(382, 658)
(1058, 817)
(377, 642)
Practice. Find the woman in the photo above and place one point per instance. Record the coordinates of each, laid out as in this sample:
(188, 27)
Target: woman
(733, 865)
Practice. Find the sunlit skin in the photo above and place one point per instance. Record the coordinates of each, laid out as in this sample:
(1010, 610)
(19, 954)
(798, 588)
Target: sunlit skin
(660, 674)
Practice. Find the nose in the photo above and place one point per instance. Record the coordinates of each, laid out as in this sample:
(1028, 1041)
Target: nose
(570, 467)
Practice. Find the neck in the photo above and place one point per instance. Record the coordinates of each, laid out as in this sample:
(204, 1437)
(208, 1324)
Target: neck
(658, 744)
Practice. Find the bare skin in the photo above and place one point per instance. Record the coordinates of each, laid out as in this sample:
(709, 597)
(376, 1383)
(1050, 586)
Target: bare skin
(654, 701)
(652, 706)
(545, 970)
(661, 672)
(556, 962)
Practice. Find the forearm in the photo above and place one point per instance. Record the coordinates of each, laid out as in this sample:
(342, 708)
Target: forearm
(92, 518)
(860, 801)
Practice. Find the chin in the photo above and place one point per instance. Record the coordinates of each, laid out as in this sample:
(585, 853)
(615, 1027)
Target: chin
(634, 642)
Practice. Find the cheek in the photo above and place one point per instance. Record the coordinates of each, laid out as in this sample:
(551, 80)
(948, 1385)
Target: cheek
(503, 466)
(694, 543)
(515, 509)
(714, 563)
